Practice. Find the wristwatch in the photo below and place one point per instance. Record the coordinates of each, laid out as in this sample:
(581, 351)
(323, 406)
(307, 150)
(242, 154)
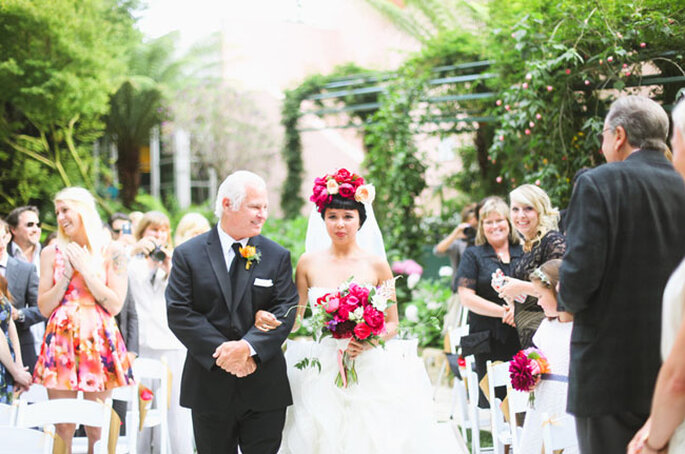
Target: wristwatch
(21, 316)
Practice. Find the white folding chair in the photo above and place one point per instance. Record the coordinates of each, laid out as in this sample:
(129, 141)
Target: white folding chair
(36, 393)
(26, 441)
(156, 371)
(558, 432)
(68, 411)
(128, 443)
(477, 417)
(518, 403)
(459, 391)
(8, 414)
(498, 376)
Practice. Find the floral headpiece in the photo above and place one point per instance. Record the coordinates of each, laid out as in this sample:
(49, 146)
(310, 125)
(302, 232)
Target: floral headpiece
(538, 273)
(344, 183)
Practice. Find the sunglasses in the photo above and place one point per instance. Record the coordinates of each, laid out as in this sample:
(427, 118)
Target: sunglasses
(33, 224)
(600, 136)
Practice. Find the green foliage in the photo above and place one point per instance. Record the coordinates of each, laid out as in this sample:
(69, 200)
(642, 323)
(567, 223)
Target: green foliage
(289, 233)
(58, 61)
(559, 69)
(424, 313)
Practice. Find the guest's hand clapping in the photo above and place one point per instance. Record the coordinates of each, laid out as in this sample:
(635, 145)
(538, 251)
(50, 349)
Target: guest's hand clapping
(79, 259)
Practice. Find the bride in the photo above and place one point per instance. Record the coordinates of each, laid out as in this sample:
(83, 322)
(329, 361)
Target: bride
(390, 409)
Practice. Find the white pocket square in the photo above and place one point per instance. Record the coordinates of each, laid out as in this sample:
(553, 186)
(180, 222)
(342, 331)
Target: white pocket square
(263, 282)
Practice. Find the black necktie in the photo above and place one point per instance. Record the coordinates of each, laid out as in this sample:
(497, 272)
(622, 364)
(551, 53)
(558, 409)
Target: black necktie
(233, 272)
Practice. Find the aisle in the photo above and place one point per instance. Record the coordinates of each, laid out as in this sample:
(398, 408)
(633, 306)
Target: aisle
(449, 430)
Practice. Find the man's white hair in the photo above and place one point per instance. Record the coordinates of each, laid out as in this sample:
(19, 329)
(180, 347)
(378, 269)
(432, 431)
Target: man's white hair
(678, 116)
(234, 188)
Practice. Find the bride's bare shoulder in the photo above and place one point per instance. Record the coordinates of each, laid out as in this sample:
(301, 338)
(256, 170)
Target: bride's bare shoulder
(308, 259)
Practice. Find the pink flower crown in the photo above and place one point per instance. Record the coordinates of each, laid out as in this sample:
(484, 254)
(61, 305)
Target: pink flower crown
(343, 183)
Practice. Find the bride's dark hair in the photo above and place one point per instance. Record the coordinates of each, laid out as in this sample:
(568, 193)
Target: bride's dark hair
(342, 203)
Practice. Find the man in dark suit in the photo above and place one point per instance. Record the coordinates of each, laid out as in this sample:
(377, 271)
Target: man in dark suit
(22, 281)
(624, 238)
(234, 379)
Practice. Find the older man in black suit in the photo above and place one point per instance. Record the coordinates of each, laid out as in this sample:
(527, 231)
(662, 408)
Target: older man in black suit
(22, 281)
(624, 238)
(234, 378)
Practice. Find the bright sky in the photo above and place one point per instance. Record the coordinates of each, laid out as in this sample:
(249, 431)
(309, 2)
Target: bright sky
(198, 18)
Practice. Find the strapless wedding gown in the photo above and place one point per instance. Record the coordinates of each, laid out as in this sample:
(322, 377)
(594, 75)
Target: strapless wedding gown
(390, 409)
(672, 316)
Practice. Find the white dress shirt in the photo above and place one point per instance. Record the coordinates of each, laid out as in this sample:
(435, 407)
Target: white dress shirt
(229, 254)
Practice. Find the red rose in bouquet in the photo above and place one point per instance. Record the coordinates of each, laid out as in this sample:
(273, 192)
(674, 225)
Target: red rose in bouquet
(526, 369)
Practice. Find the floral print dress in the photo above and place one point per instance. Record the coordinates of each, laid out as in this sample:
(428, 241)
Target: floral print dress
(6, 380)
(82, 349)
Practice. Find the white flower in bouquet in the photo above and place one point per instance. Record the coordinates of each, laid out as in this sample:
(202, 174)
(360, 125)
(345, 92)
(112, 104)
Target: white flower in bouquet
(411, 313)
(358, 314)
(412, 280)
(379, 302)
(445, 271)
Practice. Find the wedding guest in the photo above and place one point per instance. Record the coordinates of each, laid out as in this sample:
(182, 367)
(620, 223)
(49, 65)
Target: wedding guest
(190, 225)
(497, 247)
(454, 244)
(22, 280)
(82, 287)
(535, 220)
(553, 339)
(625, 237)
(148, 273)
(665, 428)
(13, 375)
(51, 238)
(25, 246)
(121, 228)
(25, 228)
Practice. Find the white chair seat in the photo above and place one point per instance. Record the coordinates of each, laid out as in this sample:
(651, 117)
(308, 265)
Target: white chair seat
(26, 441)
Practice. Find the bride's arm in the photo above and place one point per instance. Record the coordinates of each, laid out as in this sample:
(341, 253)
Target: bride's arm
(302, 283)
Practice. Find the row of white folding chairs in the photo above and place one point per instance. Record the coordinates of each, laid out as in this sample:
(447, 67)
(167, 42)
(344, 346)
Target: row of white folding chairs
(29, 427)
(470, 417)
(143, 369)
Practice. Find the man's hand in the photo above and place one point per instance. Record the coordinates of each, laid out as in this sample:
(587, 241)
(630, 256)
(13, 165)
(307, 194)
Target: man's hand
(234, 357)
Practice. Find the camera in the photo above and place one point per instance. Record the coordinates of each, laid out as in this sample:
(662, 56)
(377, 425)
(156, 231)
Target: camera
(158, 254)
(470, 232)
(126, 228)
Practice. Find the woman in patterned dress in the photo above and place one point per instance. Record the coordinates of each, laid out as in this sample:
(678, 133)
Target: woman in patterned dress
(13, 374)
(82, 287)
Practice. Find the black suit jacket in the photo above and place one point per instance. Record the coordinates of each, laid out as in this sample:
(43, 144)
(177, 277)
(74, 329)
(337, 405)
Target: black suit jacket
(22, 281)
(202, 314)
(127, 319)
(626, 234)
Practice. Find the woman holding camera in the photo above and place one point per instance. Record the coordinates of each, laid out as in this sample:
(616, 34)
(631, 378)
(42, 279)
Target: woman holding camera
(148, 273)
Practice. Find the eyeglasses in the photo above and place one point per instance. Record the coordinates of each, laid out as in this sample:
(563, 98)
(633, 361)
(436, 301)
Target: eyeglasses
(33, 224)
(600, 136)
(117, 231)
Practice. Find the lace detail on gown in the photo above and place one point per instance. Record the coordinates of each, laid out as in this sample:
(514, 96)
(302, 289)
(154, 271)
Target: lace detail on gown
(390, 410)
(554, 339)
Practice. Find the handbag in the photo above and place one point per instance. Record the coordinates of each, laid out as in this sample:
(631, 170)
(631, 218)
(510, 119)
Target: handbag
(476, 343)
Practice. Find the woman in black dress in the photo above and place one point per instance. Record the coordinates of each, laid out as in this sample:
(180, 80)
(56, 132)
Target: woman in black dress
(536, 221)
(496, 248)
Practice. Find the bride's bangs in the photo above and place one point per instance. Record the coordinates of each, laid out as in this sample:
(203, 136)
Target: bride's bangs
(342, 203)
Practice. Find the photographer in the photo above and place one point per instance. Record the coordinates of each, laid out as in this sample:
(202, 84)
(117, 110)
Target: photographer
(149, 269)
(458, 240)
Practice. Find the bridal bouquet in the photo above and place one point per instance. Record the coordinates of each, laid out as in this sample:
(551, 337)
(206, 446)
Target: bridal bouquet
(526, 369)
(354, 311)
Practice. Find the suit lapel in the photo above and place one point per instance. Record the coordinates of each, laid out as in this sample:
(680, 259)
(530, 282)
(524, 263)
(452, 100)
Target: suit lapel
(244, 277)
(216, 258)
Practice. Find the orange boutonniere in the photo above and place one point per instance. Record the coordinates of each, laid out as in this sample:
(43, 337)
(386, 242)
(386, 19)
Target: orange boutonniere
(250, 254)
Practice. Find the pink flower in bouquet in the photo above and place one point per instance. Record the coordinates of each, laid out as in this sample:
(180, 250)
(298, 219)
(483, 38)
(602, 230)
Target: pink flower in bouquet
(362, 331)
(519, 371)
(332, 305)
(375, 319)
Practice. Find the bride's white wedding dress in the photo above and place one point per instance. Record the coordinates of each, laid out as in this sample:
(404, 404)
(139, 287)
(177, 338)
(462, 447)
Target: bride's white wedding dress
(390, 409)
